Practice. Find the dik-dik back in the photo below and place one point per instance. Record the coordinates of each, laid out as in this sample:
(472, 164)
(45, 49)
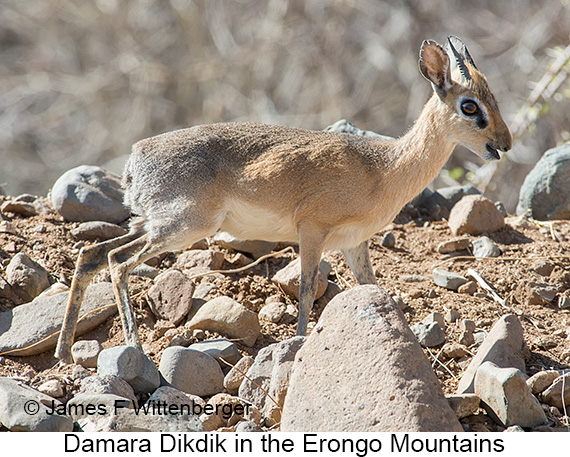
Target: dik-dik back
(258, 181)
(255, 181)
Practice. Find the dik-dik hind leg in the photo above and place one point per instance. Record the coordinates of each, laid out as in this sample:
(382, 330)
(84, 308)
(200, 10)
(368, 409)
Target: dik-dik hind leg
(92, 259)
(123, 260)
(311, 243)
(358, 259)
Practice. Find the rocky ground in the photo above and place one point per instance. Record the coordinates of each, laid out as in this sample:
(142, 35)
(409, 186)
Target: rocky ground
(528, 272)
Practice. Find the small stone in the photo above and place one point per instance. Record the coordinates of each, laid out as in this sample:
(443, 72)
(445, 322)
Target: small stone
(388, 240)
(170, 298)
(484, 247)
(514, 428)
(27, 278)
(457, 244)
(468, 325)
(235, 376)
(207, 259)
(535, 293)
(86, 352)
(191, 371)
(108, 384)
(475, 214)
(448, 279)
(454, 350)
(506, 393)
(464, 405)
(452, 316)
(400, 302)
(434, 317)
(98, 230)
(289, 278)
(8, 227)
(199, 334)
(221, 349)
(290, 315)
(503, 346)
(429, 335)
(89, 193)
(53, 388)
(131, 365)
(21, 208)
(541, 380)
(564, 301)
(145, 271)
(470, 287)
(272, 312)
(220, 417)
(466, 339)
(543, 267)
(558, 393)
(227, 317)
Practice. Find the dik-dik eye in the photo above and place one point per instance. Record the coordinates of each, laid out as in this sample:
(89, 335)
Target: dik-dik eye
(469, 107)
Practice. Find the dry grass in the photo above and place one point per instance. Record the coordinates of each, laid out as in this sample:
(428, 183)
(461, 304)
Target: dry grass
(81, 81)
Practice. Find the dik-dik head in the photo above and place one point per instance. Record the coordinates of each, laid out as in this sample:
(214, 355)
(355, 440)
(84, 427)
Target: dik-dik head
(464, 90)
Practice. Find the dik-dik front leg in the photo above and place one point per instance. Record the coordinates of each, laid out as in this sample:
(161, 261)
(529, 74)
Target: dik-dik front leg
(311, 243)
(358, 259)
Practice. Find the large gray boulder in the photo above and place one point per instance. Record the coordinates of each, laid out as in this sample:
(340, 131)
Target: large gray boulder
(89, 193)
(545, 192)
(32, 328)
(362, 369)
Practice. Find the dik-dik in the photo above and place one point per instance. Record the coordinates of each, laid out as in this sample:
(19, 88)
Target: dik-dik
(323, 190)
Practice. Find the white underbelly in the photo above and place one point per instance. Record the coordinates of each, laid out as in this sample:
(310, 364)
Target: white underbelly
(247, 221)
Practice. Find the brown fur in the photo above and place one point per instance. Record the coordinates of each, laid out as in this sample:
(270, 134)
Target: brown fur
(256, 181)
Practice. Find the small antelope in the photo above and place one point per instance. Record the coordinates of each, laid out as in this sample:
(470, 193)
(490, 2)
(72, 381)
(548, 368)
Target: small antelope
(324, 190)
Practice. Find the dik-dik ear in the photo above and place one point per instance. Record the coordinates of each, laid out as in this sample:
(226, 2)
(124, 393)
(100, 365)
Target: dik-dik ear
(434, 66)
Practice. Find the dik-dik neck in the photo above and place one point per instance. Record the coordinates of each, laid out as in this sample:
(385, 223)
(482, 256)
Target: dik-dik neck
(424, 149)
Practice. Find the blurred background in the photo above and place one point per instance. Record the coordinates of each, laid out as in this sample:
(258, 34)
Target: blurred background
(80, 81)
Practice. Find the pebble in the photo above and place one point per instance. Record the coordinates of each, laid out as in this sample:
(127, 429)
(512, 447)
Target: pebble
(448, 279)
(220, 418)
(558, 393)
(221, 349)
(289, 278)
(484, 247)
(543, 267)
(504, 346)
(457, 244)
(89, 193)
(130, 364)
(428, 335)
(191, 371)
(470, 287)
(464, 405)
(451, 316)
(535, 293)
(272, 312)
(538, 382)
(475, 214)
(229, 318)
(21, 208)
(454, 350)
(108, 384)
(26, 277)
(235, 376)
(52, 387)
(388, 240)
(269, 375)
(170, 298)
(97, 230)
(505, 392)
(434, 317)
(86, 352)
(207, 259)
